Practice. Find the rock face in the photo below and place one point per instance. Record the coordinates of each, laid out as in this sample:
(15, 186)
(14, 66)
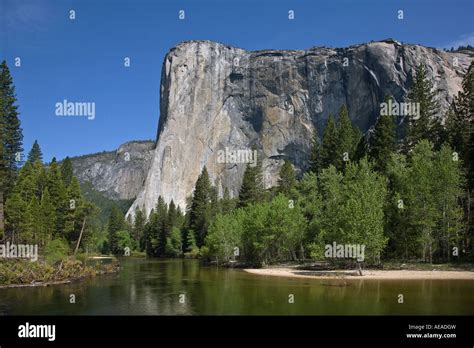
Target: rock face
(117, 174)
(215, 97)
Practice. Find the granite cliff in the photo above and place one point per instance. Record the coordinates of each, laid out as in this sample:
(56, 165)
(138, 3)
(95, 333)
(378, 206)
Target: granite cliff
(214, 97)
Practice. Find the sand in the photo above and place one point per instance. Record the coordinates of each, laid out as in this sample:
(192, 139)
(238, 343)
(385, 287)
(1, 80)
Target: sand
(367, 274)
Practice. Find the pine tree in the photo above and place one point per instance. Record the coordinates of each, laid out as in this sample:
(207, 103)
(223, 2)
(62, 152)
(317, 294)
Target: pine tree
(58, 193)
(48, 218)
(67, 171)
(163, 229)
(227, 204)
(116, 223)
(330, 144)
(200, 207)
(361, 150)
(139, 228)
(315, 155)
(12, 136)
(346, 139)
(287, 181)
(16, 221)
(73, 221)
(252, 188)
(34, 212)
(35, 153)
(425, 125)
(383, 140)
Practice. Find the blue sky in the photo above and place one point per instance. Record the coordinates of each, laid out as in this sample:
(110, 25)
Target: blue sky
(82, 59)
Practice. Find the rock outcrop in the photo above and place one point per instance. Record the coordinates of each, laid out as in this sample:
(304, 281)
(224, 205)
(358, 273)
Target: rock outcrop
(117, 174)
(215, 97)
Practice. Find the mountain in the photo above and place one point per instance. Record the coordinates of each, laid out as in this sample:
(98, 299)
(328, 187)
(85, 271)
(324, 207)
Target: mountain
(215, 97)
(118, 175)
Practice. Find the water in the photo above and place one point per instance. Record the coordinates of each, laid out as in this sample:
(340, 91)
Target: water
(153, 287)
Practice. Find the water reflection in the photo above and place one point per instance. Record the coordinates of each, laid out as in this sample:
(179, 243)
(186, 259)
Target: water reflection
(153, 287)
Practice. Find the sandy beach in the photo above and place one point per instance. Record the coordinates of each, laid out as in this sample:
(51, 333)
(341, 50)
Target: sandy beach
(367, 274)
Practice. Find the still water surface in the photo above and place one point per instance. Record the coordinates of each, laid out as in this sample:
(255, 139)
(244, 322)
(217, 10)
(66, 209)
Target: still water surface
(153, 287)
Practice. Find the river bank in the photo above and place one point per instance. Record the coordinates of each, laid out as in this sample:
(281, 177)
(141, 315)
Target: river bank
(18, 273)
(295, 272)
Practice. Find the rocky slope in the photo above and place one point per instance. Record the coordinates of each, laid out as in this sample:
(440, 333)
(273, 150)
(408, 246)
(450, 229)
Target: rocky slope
(214, 97)
(117, 174)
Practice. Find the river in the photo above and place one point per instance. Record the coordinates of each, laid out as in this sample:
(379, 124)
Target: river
(185, 287)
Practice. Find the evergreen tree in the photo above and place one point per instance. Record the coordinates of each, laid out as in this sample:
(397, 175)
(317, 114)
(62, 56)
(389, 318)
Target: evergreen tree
(287, 181)
(139, 229)
(116, 223)
(73, 220)
(34, 213)
(227, 204)
(66, 171)
(58, 193)
(361, 150)
(252, 188)
(315, 155)
(35, 153)
(383, 140)
(200, 207)
(329, 146)
(163, 227)
(16, 221)
(425, 125)
(12, 136)
(48, 218)
(347, 141)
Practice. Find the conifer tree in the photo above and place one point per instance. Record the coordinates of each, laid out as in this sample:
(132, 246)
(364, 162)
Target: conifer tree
(287, 181)
(200, 207)
(329, 146)
(35, 153)
(116, 223)
(425, 125)
(383, 140)
(58, 193)
(252, 188)
(139, 228)
(315, 155)
(48, 218)
(66, 171)
(10, 126)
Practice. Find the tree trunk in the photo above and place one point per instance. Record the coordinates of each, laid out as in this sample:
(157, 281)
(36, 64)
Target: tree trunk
(80, 235)
(359, 268)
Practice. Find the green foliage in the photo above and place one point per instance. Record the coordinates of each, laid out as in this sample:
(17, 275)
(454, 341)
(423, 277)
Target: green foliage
(287, 181)
(67, 171)
(200, 214)
(251, 190)
(330, 143)
(383, 141)
(10, 127)
(426, 125)
(35, 153)
(56, 250)
(427, 217)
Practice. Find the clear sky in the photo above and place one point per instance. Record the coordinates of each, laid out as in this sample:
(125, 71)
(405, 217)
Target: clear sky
(83, 59)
